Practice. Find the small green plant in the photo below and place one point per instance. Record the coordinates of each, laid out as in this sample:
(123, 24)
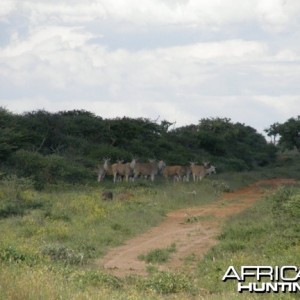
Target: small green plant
(190, 258)
(221, 186)
(12, 186)
(167, 283)
(158, 255)
(292, 206)
(12, 255)
(63, 254)
(13, 200)
(97, 278)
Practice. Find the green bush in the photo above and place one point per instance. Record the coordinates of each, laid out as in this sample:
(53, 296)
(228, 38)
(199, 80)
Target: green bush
(58, 168)
(12, 255)
(12, 201)
(98, 279)
(158, 255)
(286, 213)
(61, 253)
(48, 169)
(221, 186)
(287, 201)
(167, 283)
(27, 162)
(98, 152)
(237, 165)
(292, 206)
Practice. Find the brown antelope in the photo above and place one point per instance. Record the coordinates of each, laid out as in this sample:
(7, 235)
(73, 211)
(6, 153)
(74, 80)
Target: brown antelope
(101, 173)
(123, 169)
(104, 169)
(152, 168)
(186, 173)
(173, 171)
(199, 171)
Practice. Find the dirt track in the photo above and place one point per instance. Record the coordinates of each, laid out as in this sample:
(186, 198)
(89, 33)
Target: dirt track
(194, 230)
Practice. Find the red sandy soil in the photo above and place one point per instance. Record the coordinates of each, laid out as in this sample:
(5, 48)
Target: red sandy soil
(191, 238)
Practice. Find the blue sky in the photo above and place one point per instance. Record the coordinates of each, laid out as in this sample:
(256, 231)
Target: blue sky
(181, 60)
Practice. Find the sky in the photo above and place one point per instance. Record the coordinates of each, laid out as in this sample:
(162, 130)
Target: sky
(174, 60)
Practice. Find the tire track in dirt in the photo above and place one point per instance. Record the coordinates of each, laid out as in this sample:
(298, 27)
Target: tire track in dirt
(191, 238)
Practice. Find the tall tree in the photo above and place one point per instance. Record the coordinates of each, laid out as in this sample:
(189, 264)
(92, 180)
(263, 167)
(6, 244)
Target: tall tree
(289, 133)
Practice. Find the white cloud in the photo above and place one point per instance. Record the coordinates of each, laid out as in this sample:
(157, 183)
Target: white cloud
(287, 55)
(211, 15)
(6, 8)
(276, 15)
(50, 53)
(47, 39)
(285, 105)
(63, 56)
(63, 11)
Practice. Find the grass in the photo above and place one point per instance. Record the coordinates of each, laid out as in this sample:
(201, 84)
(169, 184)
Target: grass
(49, 238)
(157, 256)
(55, 234)
(265, 234)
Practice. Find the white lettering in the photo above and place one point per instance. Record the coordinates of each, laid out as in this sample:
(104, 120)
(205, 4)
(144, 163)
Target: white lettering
(268, 287)
(271, 286)
(242, 287)
(296, 286)
(276, 271)
(284, 269)
(244, 273)
(283, 279)
(261, 274)
(228, 275)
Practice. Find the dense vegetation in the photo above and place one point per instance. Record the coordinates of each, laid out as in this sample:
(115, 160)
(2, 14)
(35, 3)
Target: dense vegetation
(288, 133)
(68, 145)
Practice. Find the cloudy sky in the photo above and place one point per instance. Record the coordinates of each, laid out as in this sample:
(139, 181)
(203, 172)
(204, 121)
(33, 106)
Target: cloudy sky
(179, 60)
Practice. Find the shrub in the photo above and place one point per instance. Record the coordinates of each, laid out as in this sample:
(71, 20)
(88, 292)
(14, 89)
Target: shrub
(286, 201)
(235, 164)
(97, 278)
(12, 186)
(158, 255)
(63, 254)
(286, 212)
(48, 169)
(104, 150)
(221, 186)
(12, 200)
(167, 283)
(292, 206)
(12, 255)
(58, 168)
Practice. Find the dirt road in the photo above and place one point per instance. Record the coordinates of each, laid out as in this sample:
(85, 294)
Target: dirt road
(193, 230)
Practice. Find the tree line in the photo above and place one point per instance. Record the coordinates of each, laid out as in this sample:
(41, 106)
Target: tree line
(68, 145)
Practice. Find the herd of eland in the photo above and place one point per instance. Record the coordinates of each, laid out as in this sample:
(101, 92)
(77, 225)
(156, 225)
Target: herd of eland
(134, 169)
